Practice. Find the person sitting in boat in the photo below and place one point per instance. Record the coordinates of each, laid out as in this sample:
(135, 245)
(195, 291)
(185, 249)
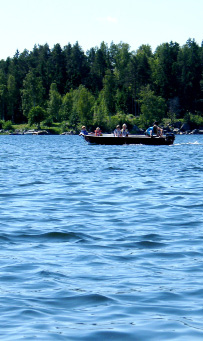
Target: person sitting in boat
(124, 130)
(149, 131)
(98, 132)
(155, 130)
(117, 131)
(83, 131)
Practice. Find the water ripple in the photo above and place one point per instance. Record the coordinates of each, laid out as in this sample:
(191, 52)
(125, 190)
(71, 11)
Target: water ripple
(100, 242)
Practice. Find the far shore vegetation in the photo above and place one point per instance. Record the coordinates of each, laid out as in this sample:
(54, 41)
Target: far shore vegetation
(60, 89)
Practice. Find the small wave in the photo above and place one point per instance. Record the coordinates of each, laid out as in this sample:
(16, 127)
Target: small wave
(51, 274)
(33, 183)
(105, 241)
(79, 301)
(26, 313)
(150, 244)
(142, 244)
(187, 143)
(53, 237)
(112, 334)
(4, 238)
(152, 236)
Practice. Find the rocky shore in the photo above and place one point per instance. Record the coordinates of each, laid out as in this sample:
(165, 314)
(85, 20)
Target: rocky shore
(185, 128)
(178, 128)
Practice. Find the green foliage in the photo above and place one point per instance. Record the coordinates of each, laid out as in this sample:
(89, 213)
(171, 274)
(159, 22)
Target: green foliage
(2, 95)
(11, 96)
(83, 106)
(120, 118)
(101, 112)
(165, 70)
(172, 116)
(116, 119)
(48, 121)
(65, 127)
(21, 127)
(54, 103)
(54, 129)
(32, 92)
(194, 119)
(190, 74)
(66, 106)
(7, 125)
(93, 88)
(152, 107)
(36, 115)
(143, 69)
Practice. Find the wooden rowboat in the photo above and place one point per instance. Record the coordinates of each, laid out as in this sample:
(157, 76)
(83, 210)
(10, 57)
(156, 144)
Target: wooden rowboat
(110, 139)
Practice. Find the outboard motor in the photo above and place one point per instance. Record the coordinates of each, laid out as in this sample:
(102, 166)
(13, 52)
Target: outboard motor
(170, 137)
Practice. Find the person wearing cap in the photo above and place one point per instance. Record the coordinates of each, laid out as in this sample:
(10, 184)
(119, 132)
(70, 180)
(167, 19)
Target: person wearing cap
(83, 131)
(117, 131)
(124, 130)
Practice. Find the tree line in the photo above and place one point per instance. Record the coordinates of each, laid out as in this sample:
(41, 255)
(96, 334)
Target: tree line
(102, 86)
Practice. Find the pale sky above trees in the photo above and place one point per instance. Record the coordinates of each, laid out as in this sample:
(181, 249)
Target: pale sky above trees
(25, 23)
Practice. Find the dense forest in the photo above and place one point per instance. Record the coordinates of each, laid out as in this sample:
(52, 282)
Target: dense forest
(104, 86)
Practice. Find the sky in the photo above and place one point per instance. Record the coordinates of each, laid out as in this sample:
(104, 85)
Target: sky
(25, 23)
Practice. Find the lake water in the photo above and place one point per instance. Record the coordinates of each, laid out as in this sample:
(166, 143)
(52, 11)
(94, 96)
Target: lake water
(100, 242)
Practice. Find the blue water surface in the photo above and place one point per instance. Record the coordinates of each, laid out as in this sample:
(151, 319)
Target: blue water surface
(100, 242)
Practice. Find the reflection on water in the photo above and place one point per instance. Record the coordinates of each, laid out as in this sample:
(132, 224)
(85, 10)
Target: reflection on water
(100, 242)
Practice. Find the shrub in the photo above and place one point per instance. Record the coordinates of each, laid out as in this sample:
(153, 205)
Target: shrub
(194, 120)
(7, 125)
(48, 121)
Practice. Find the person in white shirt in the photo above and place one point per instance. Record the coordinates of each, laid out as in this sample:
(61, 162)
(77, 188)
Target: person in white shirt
(124, 130)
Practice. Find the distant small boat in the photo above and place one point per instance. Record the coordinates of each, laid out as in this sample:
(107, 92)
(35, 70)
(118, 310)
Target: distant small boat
(110, 139)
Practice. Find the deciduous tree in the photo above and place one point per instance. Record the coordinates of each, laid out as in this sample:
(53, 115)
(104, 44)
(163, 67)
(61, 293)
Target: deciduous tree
(32, 93)
(11, 86)
(153, 108)
(54, 103)
(36, 115)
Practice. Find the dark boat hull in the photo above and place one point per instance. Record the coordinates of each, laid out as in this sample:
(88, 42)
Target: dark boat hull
(109, 139)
